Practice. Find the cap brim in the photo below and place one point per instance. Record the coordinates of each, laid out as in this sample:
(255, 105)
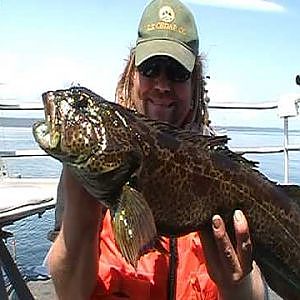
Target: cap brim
(148, 49)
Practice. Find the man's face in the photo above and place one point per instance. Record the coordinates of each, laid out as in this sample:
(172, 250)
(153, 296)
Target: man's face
(164, 91)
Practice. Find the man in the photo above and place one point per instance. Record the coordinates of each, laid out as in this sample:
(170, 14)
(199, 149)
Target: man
(163, 80)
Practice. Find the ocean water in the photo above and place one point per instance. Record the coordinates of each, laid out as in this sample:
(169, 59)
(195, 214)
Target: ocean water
(30, 243)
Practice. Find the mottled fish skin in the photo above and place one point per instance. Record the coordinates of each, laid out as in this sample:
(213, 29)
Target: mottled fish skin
(186, 178)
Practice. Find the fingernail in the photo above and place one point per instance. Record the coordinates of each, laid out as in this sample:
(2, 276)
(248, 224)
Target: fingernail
(216, 222)
(238, 216)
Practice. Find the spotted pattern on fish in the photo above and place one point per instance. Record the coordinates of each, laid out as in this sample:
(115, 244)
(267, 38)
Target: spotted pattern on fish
(185, 178)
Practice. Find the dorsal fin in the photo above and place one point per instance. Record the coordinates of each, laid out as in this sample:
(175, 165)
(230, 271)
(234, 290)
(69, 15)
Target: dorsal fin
(237, 157)
(215, 143)
(184, 135)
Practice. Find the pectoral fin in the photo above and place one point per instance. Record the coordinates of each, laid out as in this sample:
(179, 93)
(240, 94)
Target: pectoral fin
(133, 225)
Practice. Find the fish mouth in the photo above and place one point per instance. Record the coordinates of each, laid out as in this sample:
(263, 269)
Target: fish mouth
(47, 132)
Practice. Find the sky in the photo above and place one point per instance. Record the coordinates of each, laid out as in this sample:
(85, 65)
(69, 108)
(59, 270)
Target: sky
(251, 50)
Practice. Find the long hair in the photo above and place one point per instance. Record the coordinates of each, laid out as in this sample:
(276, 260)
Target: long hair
(200, 120)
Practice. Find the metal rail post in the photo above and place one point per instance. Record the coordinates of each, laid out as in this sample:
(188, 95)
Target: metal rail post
(285, 149)
(13, 274)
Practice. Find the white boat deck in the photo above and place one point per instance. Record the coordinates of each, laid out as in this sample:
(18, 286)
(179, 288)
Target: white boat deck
(23, 197)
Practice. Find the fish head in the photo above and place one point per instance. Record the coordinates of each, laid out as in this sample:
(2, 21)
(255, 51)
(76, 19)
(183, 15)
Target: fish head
(83, 130)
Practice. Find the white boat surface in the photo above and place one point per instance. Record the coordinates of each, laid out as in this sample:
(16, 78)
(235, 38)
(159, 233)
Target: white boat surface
(23, 197)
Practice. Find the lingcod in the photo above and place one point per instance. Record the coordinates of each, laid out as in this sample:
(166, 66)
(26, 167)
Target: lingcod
(158, 180)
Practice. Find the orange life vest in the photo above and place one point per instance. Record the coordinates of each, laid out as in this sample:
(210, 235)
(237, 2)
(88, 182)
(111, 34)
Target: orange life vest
(118, 280)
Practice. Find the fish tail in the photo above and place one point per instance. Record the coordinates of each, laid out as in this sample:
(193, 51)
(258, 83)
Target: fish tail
(285, 284)
(133, 225)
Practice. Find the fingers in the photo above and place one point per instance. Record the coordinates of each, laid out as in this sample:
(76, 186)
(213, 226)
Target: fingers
(211, 254)
(236, 262)
(228, 256)
(226, 264)
(244, 245)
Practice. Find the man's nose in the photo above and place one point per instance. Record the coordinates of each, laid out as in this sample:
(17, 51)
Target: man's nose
(162, 83)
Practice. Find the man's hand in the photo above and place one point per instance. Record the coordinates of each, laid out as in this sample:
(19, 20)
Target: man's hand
(232, 269)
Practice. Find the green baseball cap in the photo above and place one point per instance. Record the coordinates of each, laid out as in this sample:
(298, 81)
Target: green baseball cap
(167, 27)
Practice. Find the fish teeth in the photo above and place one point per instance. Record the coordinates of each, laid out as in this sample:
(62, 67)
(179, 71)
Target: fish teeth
(41, 134)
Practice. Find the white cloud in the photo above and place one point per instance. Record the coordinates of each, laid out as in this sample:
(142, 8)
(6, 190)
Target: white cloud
(8, 63)
(224, 93)
(257, 5)
(219, 92)
(25, 82)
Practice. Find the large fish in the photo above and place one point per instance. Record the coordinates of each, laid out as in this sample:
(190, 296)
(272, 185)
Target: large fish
(159, 180)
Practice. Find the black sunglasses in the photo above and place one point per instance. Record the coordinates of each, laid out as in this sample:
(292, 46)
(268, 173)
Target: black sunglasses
(174, 71)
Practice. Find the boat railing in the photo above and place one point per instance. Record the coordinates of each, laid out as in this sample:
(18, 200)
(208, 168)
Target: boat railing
(21, 198)
(287, 107)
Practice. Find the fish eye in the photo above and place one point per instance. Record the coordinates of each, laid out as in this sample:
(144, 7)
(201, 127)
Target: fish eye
(81, 102)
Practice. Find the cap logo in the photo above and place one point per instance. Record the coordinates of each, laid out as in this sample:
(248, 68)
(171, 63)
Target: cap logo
(166, 14)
